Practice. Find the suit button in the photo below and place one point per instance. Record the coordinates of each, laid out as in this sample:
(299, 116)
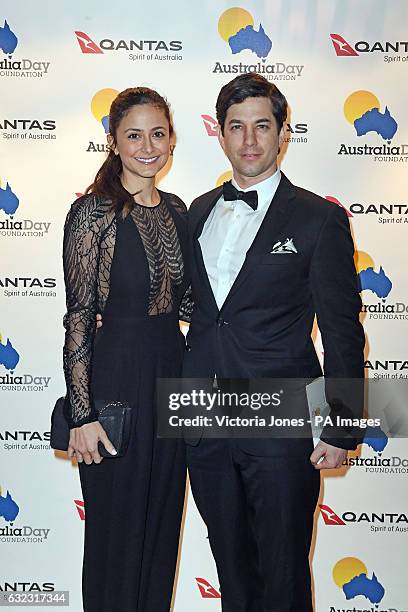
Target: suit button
(221, 322)
(188, 347)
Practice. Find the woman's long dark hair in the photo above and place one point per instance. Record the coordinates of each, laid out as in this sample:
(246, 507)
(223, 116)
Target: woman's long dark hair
(107, 181)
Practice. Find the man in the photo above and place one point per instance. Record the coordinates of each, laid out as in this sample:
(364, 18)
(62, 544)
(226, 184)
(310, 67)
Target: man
(266, 257)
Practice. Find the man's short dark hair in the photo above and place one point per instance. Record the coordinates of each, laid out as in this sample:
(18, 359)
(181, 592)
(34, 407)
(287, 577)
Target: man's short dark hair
(251, 85)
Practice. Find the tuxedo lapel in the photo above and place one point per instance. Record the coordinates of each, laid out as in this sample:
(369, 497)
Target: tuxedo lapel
(278, 214)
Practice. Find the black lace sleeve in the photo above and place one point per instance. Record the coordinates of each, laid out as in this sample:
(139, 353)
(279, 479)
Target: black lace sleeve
(186, 306)
(82, 235)
(176, 202)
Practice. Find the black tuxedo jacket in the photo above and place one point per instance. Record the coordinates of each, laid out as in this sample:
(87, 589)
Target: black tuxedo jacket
(263, 329)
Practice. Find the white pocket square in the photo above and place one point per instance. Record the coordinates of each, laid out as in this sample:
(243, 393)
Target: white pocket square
(284, 247)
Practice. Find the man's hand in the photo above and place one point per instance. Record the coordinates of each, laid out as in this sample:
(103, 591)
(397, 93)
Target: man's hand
(99, 322)
(327, 457)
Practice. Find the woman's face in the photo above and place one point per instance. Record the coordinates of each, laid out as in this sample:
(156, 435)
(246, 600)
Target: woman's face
(143, 141)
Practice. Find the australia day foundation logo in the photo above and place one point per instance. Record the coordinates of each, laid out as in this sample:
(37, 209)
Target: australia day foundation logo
(376, 287)
(13, 530)
(353, 579)
(12, 66)
(375, 455)
(137, 49)
(253, 46)
(362, 109)
(11, 225)
(391, 51)
(12, 376)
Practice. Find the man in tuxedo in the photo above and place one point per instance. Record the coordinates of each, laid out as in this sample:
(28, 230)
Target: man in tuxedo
(266, 258)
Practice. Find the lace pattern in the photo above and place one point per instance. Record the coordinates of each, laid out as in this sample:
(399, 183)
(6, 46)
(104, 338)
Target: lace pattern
(89, 242)
(162, 247)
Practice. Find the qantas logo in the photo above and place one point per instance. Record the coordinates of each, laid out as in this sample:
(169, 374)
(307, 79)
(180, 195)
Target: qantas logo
(210, 125)
(378, 521)
(345, 49)
(329, 516)
(80, 506)
(87, 44)
(341, 46)
(207, 591)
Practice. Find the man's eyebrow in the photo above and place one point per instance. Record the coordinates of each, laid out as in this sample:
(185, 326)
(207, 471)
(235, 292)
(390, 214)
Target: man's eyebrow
(262, 120)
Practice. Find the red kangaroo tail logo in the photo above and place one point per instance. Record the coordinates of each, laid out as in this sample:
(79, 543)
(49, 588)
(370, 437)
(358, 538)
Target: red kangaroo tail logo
(330, 517)
(341, 46)
(80, 506)
(210, 125)
(87, 44)
(207, 591)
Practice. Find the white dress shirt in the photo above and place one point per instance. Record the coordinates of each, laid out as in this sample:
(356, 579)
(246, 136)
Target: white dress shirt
(228, 233)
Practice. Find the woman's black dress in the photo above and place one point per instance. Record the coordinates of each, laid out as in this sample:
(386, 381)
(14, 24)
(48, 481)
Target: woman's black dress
(134, 504)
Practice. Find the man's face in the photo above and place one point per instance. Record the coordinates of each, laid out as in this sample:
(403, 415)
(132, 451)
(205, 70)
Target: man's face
(251, 140)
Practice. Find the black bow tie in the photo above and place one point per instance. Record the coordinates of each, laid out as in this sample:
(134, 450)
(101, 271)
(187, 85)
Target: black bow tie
(231, 193)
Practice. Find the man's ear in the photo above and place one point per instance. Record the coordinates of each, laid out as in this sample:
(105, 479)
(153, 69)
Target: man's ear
(281, 135)
(111, 143)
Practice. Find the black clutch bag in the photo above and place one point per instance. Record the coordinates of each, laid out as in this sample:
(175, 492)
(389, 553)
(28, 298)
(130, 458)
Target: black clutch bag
(114, 417)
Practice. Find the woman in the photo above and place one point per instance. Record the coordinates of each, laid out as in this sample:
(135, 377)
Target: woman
(125, 244)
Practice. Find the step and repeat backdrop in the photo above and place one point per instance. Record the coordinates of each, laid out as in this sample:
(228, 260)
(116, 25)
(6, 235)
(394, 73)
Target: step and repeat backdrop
(343, 67)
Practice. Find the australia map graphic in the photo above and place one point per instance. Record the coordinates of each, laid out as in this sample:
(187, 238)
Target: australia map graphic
(375, 121)
(376, 439)
(8, 40)
(370, 588)
(377, 282)
(251, 39)
(9, 357)
(8, 507)
(8, 200)
(351, 575)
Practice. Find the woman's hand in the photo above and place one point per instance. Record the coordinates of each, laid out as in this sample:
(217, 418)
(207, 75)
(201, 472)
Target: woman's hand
(83, 443)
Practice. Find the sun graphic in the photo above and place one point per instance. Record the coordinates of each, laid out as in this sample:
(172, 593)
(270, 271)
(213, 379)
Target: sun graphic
(363, 261)
(358, 103)
(233, 20)
(346, 569)
(223, 178)
(100, 105)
